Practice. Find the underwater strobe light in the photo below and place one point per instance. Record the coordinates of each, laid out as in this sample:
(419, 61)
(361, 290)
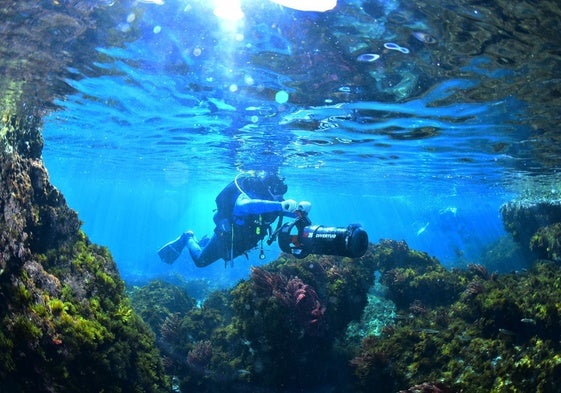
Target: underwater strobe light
(300, 238)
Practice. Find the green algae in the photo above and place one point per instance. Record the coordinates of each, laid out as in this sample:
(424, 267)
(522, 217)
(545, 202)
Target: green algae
(86, 329)
(546, 242)
(260, 335)
(461, 329)
(501, 335)
(65, 315)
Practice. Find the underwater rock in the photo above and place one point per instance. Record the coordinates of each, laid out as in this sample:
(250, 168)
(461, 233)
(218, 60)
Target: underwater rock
(276, 328)
(390, 254)
(412, 289)
(67, 324)
(523, 219)
(35, 215)
(281, 327)
(158, 300)
(460, 330)
(501, 334)
(546, 242)
(65, 317)
(428, 387)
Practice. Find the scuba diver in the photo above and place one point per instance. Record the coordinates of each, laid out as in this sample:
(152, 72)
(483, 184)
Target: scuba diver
(246, 208)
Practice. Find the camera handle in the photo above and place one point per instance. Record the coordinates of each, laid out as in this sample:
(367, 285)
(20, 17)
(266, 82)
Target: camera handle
(301, 221)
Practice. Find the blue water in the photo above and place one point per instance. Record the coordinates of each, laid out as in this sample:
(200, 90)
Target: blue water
(422, 146)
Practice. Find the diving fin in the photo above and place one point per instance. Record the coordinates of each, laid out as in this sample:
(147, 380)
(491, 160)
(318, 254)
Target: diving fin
(172, 250)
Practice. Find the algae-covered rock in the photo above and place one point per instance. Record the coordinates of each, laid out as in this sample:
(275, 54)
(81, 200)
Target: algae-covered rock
(413, 278)
(283, 329)
(280, 329)
(523, 218)
(159, 300)
(536, 226)
(546, 242)
(67, 324)
(501, 333)
(292, 313)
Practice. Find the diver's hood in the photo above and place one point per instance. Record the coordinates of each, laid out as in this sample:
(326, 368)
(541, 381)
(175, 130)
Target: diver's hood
(262, 187)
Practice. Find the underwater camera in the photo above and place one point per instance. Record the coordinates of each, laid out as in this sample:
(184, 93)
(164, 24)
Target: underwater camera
(300, 238)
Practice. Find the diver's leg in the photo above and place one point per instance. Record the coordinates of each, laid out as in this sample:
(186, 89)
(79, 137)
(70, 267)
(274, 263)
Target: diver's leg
(215, 249)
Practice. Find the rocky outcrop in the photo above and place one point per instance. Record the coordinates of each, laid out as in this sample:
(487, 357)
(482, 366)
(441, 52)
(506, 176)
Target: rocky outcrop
(535, 226)
(67, 325)
(65, 317)
(35, 216)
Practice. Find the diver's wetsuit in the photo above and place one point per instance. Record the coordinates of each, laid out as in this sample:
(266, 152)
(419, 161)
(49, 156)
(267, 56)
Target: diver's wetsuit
(241, 222)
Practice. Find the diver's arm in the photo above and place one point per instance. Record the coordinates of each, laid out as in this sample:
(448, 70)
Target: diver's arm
(246, 206)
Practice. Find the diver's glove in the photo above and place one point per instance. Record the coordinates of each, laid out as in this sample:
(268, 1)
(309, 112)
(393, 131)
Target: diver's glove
(304, 206)
(289, 205)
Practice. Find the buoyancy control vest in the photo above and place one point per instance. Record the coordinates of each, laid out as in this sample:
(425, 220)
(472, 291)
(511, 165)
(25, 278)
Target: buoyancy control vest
(225, 202)
(244, 235)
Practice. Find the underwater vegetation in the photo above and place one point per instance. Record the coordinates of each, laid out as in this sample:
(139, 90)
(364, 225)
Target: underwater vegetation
(66, 319)
(482, 332)
(534, 224)
(288, 327)
(280, 329)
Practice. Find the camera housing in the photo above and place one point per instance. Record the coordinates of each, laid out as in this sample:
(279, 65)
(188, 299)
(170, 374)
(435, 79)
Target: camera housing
(300, 238)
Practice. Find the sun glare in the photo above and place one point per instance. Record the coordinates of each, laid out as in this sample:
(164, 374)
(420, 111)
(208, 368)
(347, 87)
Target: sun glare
(228, 9)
